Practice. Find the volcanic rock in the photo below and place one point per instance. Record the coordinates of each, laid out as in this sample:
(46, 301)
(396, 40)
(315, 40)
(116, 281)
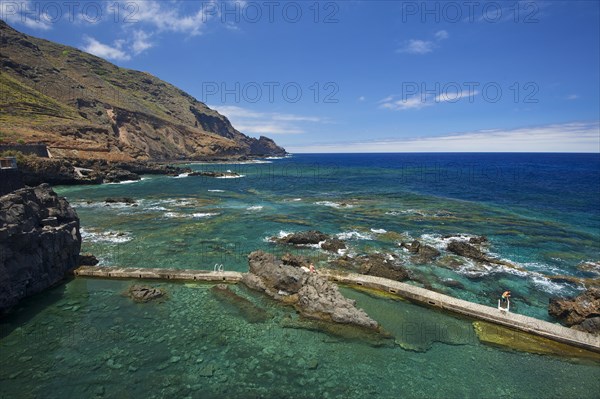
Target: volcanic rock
(144, 293)
(312, 295)
(575, 311)
(423, 253)
(303, 238)
(39, 242)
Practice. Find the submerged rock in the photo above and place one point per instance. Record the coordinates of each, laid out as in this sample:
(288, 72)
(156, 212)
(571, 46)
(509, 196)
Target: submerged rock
(312, 295)
(574, 312)
(120, 200)
(497, 335)
(590, 267)
(144, 293)
(248, 310)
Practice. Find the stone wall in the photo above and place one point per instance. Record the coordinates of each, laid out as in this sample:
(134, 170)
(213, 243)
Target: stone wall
(39, 242)
(28, 149)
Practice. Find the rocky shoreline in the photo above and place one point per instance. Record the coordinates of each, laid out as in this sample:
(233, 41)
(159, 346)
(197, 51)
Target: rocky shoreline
(36, 170)
(39, 243)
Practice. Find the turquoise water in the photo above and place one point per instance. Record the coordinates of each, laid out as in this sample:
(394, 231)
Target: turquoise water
(86, 339)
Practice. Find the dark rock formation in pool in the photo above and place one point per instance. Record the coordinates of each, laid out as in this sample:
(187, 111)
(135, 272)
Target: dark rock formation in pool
(39, 242)
(375, 264)
(312, 295)
(581, 313)
(144, 293)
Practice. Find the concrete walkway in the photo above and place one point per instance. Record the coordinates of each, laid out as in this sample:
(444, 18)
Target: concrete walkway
(527, 324)
(158, 274)
(419, 295)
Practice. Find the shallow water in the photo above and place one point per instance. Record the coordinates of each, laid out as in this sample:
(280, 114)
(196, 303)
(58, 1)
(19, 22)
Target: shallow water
(540, 211)
(85, 339)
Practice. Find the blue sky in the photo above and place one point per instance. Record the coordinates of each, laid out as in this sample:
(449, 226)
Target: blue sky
(359, 76)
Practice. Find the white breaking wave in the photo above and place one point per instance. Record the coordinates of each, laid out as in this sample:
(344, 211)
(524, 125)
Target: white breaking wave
(204, 215)
(354, 235)
(182, 175)
(255, 208)
(439, 242)
(216, 191)
(114, 237)
(547, 285)
(126, 181)
(379, 231)
(179, 215)
(334, 204)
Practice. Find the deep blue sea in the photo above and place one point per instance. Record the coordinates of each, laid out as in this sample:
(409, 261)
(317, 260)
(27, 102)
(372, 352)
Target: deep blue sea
(540, 212)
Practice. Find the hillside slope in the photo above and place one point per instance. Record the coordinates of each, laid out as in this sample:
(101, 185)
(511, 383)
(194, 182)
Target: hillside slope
(85, 107)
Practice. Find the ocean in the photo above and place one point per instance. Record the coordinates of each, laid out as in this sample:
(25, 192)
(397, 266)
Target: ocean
(540, 213)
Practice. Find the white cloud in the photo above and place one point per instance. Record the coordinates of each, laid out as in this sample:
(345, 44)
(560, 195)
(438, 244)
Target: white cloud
(416, 102)
(418, 46)
(140, 42)
(253, 122)
(415, 46)
(121, 49)
(102, 50)
(441, 35)
(452, 97)
(168, 16)
(572, 97)
(361, 98)
(566, 137)
(425, 100)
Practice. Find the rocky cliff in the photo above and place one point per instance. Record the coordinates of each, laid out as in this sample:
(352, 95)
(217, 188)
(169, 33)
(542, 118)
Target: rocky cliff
(85, 107)
(39, 242)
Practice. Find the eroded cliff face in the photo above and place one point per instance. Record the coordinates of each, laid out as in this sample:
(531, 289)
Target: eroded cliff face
(39, 242)
(82, 106)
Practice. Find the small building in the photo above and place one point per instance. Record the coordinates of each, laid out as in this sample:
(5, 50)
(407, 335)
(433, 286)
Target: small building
(8, 163)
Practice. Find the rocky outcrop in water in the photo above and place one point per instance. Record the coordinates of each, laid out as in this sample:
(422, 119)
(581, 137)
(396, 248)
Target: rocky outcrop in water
(333, 245)
(215, 174)
(39, 242)
(423, 253)
(144, 293)
(581, 312)
(467, 250)
(312, 295)
(310, 237)
(87, 259)
(375, 264)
